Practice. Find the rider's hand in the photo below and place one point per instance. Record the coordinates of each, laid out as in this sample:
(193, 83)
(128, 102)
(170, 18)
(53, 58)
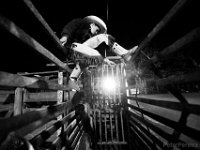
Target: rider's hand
(63, 40)
(110, 63)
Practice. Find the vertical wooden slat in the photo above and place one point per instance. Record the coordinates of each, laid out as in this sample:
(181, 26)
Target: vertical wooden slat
(60, 92)
(60, 96)
(18, 103)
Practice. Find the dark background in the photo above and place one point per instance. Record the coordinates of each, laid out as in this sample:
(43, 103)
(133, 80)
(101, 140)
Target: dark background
(128, 21)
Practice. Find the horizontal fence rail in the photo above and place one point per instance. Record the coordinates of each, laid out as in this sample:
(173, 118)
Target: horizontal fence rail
(40, 126)
(190, 108)
(19, 121)
(36, 111)
(20, 34)
(45, 24)
(13, 80)
(175, 79)
(166, 19)
(163, 104)
(149, 121)
(194, 35)
(33, 114)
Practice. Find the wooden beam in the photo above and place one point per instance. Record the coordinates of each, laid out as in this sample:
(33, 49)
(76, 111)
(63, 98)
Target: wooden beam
(15, 123)
(6, 107)
(13, 80)
(18, 102)
(6, 96)
(32, 8)
(44, 97)
(177, 79)
(166, 19)
(38, 73)
(194, 35)
(20, 34)
(60, 99)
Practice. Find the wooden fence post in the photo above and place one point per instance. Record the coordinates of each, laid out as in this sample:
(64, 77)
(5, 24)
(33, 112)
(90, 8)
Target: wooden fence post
(60, 96)
(18, 101)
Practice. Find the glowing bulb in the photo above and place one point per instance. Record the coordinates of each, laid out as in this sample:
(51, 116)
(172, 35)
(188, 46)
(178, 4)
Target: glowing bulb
(108, 84)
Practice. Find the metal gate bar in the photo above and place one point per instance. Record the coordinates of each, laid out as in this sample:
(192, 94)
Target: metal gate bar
(108, 113)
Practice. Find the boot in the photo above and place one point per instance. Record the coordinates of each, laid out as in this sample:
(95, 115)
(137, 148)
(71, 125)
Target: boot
(73, 85)
(75, 73)
(74, 77)
(127, 57)
(120, 51)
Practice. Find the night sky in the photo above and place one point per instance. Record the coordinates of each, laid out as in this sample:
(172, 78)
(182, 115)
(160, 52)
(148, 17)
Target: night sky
(128, 21)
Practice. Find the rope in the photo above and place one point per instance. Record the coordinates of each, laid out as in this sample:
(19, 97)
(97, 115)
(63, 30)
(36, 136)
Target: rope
(84, 59)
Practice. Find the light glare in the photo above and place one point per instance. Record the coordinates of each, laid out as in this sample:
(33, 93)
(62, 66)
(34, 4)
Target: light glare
(108, 84)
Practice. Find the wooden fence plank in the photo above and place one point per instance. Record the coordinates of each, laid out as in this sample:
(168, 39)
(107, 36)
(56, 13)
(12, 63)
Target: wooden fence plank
(13, 80)
(20, 34)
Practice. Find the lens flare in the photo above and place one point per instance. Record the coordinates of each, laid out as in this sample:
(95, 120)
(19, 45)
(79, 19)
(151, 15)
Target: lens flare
(108, 84)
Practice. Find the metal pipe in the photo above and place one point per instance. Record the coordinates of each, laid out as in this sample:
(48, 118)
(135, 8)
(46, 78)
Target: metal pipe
(95, 117)
(111, 126)
(100, 126)
(173, 11)
(102, 71)
(107, 75)
(114, 94)
(122, 125)
(116, 126)
(121, 76)
(105, 123)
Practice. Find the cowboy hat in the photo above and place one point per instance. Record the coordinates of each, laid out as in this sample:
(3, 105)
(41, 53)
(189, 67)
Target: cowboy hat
(99, 22)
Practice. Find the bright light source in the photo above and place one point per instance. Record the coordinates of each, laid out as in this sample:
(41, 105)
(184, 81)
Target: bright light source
(109, 84)
(134, 91)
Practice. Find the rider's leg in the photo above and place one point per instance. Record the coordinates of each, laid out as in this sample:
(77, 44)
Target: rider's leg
(97, 40)
(109, 40)
(119, 50)
(76, 72)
